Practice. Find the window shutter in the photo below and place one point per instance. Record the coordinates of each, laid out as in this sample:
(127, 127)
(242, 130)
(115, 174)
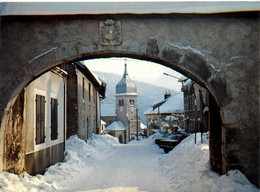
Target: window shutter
(40, 119)
(54, 119)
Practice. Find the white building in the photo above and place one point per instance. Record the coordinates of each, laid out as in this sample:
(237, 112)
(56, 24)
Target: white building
(45, 117)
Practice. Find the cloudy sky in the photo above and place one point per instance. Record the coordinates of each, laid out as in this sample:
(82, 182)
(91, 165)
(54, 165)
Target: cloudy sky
(138, 70)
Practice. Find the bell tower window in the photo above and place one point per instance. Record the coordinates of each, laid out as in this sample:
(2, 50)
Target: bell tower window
(132, 102)
(121, 102)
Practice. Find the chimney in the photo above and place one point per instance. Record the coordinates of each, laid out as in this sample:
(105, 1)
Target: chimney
(167, 94)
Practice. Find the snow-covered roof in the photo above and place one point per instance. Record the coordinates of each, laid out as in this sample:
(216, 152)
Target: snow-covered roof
(187, 82)
(96, 77)
(142, 126)
(103, 122)
(63, 8)
(116, 126)
(173, 103)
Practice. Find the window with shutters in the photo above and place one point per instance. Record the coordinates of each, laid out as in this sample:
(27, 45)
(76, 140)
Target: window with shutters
(40, 119)
(54, 119)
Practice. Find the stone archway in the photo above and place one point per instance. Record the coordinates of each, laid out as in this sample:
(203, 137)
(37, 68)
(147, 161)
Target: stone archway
(207, 49)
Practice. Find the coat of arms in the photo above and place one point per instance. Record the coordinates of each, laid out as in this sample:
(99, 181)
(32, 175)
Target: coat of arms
(110, 32)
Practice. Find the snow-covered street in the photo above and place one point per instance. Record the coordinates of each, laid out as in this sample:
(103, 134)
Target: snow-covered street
(104, 165)
(131, 167)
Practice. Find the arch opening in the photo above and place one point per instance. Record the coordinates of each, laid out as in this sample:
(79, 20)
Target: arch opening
(215, 152)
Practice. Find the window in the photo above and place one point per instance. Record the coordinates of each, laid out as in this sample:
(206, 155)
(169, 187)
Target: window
(198, 95)
(40, 119)
(89, 126)
(190, 105)
(83, 89)
(54, 119)
(89, 92)
(94, 98)
(83, 125)
(132, 102)
(121, 102)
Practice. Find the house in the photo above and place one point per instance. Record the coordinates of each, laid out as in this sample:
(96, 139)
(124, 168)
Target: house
(44, 120)
(117, 129)
(85, 91)
(143, 128)
(196, 107)
(126, 108)
(165, 115)
(102, 127)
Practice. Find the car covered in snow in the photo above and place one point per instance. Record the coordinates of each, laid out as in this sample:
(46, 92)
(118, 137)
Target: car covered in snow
(168, 142)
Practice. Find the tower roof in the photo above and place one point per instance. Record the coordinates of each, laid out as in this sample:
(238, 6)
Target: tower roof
(126, 85)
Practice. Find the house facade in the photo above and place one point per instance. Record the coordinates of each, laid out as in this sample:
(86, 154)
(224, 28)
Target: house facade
(126, 107)
(44, 120)
(165, 115)
(196, 107)
(84, 92)
(117, 129)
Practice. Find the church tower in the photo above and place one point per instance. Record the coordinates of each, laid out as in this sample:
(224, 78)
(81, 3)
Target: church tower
(126, 104)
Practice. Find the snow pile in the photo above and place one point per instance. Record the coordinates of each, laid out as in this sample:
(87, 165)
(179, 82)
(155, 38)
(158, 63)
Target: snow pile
(78, 159)
(10, 182)
(187, 166)
(80, 156)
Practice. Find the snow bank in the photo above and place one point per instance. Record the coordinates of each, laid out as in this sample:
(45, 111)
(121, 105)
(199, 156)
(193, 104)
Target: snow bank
(79, 156)
(187, 166)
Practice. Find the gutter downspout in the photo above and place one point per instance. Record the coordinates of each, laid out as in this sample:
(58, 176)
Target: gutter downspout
(64, 114)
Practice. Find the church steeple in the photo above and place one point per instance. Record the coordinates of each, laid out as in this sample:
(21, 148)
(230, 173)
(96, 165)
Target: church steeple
(126, 72)
(126, 104)
(126, 85)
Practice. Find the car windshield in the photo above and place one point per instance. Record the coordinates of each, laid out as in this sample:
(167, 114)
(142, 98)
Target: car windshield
(177, 137)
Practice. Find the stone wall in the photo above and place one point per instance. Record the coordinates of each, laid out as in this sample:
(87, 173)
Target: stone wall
(218, 51)
(14, 154)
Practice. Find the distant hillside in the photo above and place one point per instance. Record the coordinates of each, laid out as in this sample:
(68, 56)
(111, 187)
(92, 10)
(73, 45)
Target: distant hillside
(147, 94)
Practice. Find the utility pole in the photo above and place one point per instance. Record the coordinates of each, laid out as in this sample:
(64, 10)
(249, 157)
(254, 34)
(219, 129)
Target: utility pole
(137, 123)
(128, 127)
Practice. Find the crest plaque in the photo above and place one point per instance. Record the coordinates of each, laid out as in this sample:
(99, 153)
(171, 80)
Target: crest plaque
(110, 32)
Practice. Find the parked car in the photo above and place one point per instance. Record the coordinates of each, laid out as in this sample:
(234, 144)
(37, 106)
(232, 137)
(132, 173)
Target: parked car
(168, 142)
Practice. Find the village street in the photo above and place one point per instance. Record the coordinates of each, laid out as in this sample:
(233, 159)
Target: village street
(131, 167)
(104, 165)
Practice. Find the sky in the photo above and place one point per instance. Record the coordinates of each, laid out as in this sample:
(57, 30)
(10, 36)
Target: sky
(138, 70)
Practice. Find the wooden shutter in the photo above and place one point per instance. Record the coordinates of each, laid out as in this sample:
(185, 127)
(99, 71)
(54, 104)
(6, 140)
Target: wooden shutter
(54, 119)
(40, 119)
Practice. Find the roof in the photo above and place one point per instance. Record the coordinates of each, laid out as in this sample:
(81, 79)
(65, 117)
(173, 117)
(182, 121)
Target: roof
(103, 122)
(116, 126)
(142, 126)
(93, 78)
(73, 8)
(126, 85)
(59, 71)
(172, 104)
